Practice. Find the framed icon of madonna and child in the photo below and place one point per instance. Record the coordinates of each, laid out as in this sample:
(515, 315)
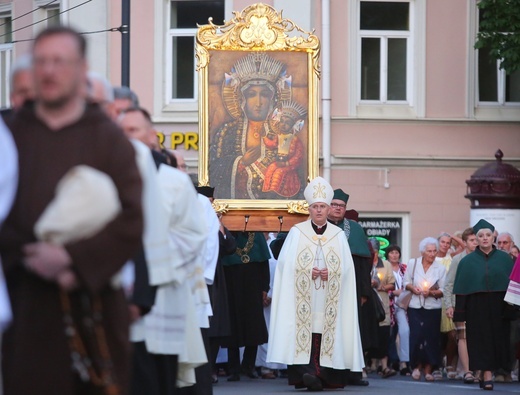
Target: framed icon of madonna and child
(258, 109)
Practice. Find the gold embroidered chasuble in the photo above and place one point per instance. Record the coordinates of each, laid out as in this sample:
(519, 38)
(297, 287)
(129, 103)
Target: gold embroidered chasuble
(316, 299)
(302, 306)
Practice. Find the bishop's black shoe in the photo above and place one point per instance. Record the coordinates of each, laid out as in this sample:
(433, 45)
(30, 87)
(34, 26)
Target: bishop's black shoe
(312, 382)
(359, 382)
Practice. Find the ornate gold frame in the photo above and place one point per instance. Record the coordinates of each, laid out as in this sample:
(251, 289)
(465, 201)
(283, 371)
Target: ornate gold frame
(258, 28)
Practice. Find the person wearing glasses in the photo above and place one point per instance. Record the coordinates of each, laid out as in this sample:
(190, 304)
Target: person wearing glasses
(357, 242)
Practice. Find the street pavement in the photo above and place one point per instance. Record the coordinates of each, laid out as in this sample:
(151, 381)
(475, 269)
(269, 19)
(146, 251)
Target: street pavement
(393, 385)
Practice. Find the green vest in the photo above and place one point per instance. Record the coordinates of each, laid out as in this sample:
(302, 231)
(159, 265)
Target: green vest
(357, 240)
(478, 272)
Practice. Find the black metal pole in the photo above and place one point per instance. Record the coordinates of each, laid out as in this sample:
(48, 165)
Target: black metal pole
(125, 43)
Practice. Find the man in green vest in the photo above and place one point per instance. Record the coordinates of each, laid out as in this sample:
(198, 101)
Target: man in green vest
(357, 241)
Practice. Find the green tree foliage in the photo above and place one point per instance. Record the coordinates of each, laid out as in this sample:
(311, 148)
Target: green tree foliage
(499, 31)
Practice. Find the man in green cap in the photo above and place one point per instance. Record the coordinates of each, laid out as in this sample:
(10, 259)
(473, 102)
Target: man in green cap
(480, 286)
(357, 241)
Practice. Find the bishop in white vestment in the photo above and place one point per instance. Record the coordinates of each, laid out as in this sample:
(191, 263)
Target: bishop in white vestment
(314, 325)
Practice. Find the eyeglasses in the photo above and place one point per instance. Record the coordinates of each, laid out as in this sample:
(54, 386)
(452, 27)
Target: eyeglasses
(58, 63)
(335, 205)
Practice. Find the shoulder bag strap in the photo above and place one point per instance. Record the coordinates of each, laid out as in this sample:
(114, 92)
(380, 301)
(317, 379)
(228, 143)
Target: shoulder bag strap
(413, 271)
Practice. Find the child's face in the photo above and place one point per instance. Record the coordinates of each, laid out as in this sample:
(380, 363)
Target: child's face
(285, 125)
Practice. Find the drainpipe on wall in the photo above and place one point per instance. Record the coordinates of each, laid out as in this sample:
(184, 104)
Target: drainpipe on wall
(125, 43)
(325, 83)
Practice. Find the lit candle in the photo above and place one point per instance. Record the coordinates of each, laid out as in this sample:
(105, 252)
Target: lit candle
(379, 276)
(426, 285)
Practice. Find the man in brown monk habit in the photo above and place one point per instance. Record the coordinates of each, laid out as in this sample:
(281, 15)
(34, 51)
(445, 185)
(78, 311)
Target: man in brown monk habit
(57, 287)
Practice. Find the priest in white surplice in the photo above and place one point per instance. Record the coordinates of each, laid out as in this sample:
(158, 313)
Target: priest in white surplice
(314, 326)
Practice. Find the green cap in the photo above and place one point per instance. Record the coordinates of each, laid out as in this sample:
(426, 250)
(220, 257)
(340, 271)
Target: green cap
(482, 224)
(339, 194)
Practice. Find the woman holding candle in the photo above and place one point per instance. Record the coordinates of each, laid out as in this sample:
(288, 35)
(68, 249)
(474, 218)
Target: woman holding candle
(424, 278)
(383, 281)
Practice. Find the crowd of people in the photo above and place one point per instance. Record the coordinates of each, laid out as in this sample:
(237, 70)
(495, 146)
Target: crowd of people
(122, 279)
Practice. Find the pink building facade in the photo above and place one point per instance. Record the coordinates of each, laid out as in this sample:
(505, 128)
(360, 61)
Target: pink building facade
(414, 109)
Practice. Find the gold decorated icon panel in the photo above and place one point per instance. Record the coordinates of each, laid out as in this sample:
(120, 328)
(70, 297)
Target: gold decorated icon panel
(258, 124)
(258, 110)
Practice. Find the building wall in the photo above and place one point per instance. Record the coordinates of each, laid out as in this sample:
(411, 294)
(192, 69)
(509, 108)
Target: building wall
(446, 59)
(339, 57)
(114, 45)
(432, 198)
(92, 17)
(423, 162)
(389, 162)
(21, 8)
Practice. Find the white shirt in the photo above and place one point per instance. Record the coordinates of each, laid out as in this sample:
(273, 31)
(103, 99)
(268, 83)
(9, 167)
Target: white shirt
(435, 274)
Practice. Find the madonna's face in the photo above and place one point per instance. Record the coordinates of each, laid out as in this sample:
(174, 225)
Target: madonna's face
(258, 100)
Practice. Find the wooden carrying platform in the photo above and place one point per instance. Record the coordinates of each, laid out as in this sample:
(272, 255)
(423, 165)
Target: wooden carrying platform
(261, 220)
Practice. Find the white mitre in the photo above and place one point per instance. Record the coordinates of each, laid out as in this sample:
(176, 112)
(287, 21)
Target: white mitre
(318, 191)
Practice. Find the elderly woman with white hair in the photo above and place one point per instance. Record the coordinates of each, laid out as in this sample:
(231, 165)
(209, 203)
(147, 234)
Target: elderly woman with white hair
(425, 278)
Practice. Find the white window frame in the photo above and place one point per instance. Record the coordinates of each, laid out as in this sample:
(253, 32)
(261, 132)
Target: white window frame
(414, 105)
(383, 37)
(6, 12)
(6, 51)
(43, 4)
(166, 109)
(490, 111)
(168, 99)
(43, 13)
(501, 89)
